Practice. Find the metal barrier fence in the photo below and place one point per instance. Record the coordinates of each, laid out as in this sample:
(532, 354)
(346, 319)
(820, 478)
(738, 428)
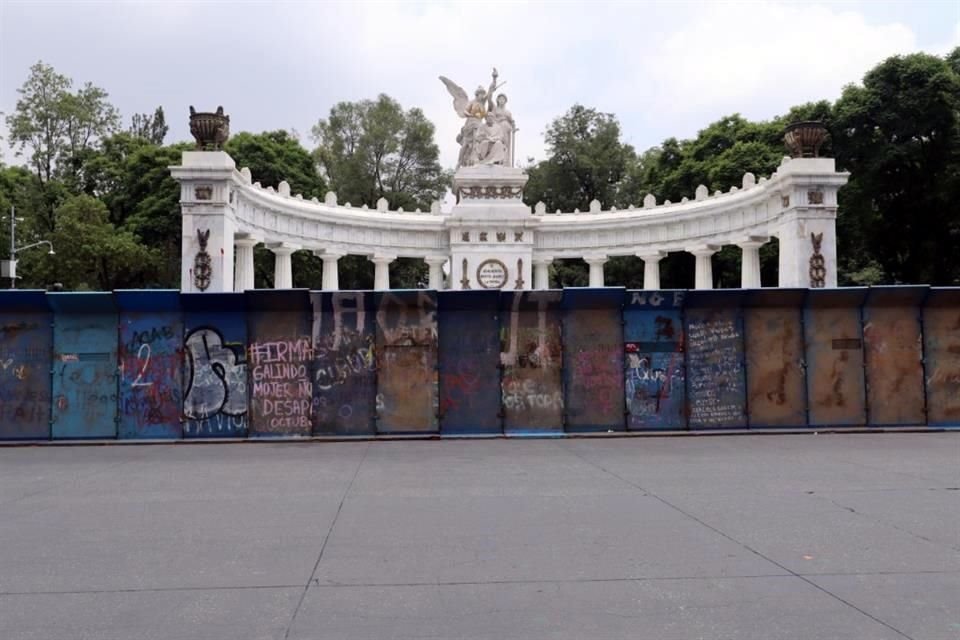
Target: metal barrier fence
(161, 364)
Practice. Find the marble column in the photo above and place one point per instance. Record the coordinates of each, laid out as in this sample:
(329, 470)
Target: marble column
(596, 263)
(282, 269)
(750, 262)
(331, 270)
(381, 271)
(541, 273)
(704, 255)
(243, 272)
(436, 272)
(651, 268)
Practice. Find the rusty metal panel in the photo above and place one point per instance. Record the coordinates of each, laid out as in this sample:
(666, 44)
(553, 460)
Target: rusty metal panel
(893, 351)
(836, 390)
(150, 351)
(655, 385)
(776, 384)
(469, 361)
(532, 359)
(344, 365)
(716, 384)
(215, 389)
(407, 397)
(280, 358)
(593, 366)
(941, 338)
(84, 365)
(26, 344)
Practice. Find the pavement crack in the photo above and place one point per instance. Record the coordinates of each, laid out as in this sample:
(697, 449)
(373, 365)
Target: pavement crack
(729, 537)
(885, 523)
(326, 539)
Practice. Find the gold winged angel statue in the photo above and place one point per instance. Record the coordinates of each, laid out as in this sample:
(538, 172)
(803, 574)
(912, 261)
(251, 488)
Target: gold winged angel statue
(487, 133)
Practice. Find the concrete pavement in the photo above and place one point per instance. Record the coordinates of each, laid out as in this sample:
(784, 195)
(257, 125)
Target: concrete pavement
(736, 537)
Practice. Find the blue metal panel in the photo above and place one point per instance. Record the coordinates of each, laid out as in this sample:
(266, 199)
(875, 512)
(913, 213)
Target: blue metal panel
(716, 383)
(215, 395)
(407, 398)
(469, 362)
(833, 332)
(941, 336)
(280, 359)
(151, 364)
(593, 366)
(344, 365)
(776, 384)
(531, 354)
(893, 351)
(84, 365)
(654, 359)
(26, 342)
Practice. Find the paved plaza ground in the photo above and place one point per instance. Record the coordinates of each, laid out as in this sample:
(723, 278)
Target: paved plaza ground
(801, 537)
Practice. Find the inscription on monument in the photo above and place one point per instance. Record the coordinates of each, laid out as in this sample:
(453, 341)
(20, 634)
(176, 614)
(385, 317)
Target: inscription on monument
(492, 274)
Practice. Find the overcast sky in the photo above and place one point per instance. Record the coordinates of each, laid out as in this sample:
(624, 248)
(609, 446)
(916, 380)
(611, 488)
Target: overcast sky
(665, 69)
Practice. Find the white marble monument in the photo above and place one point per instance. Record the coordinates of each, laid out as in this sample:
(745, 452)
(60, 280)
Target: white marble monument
(491, 229)
(491, 239)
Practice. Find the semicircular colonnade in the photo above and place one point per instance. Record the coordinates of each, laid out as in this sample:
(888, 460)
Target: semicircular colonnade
(225, 214)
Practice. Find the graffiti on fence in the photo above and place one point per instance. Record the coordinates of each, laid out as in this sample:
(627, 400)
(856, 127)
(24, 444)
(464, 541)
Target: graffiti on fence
(215, 397)
(149, 370)
(406, 360)
(24, 377)
(344, 366)
(281, 389)
(530, 353)
(716, 388)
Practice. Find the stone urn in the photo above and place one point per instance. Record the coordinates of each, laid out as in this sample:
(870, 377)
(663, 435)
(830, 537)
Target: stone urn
(803, 139)
(210, 130)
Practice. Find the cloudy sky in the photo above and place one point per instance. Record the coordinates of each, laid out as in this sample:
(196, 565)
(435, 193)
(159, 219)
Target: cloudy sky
(664, 68)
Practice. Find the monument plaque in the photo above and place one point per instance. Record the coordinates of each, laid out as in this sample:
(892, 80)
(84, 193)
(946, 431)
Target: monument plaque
(492, 274)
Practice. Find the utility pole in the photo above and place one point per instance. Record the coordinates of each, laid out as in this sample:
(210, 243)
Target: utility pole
(9, 267)
(13, 250)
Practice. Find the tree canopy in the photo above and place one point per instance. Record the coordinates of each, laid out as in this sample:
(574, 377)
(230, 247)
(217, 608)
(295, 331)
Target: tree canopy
(58, 126)
(373, 149)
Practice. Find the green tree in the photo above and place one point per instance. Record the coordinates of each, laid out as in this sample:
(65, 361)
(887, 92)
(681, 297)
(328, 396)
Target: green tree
(899, 135)
(586, 161)
(91, 253)
(373, 149)
(275, 156)
(152, 128)
(953, 59)
(57, 126)
(131, 176)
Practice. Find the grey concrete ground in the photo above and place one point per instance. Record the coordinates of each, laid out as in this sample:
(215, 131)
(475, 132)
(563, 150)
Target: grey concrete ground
(735, 537)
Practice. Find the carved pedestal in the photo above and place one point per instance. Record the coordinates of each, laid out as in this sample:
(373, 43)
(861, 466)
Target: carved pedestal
(491, 230)
(807, 225)
(208, 221)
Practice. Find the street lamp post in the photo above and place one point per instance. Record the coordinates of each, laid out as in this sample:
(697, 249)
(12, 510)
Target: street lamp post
(10, 269)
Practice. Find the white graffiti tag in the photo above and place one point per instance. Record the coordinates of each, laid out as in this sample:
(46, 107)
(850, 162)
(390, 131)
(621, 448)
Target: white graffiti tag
(216, 379)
